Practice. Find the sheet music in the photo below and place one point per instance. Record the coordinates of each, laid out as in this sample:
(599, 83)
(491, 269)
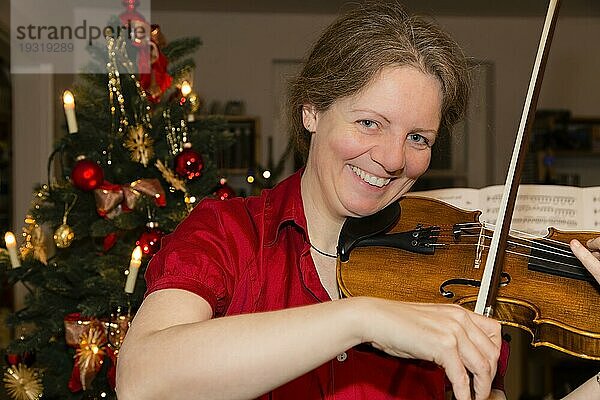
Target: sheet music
(465, 198)
(537, 208)
(591, 197)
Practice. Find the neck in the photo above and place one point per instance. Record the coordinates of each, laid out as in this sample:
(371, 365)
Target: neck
(323, 224)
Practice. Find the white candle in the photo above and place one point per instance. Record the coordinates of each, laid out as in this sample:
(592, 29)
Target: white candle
(186, 89)
(134, 268)
(69, 105)
(11, 246)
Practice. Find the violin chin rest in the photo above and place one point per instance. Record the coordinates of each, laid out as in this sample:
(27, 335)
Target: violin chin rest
(356, 229)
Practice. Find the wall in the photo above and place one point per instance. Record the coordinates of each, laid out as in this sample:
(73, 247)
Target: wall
(235, 61)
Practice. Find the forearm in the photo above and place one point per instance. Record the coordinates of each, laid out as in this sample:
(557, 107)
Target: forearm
(235, 357)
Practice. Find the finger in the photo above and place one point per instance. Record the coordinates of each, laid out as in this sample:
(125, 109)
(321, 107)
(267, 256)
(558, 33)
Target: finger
(481, 366)
(457, 375)
(482, 360)
(594, 244)
(485, 333)
(464, 336)
(586, 257)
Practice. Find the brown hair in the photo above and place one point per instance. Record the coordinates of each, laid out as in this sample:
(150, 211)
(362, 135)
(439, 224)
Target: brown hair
(359, 44)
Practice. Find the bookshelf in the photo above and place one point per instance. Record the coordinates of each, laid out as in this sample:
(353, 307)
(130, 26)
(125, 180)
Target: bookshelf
(240, 159)
(564, 150)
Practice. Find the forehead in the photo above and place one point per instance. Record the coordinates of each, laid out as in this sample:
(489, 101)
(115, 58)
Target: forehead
(400, 90)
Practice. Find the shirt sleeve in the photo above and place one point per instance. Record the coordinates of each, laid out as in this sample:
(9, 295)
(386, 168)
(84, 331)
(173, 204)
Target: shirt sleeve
(498, 382)
(200, 256)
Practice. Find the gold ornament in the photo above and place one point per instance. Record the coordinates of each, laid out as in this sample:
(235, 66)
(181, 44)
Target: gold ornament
(139, 144)
(170, 177)
(23, 383)
(64, 235)
(34, 243)
(195, 102)
(90, 354)
(117, 327)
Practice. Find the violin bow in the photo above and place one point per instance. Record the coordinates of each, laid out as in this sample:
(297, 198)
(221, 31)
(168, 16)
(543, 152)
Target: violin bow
(490, 281)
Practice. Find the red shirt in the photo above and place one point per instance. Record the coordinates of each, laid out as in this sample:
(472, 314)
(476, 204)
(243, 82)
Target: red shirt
(247, 255)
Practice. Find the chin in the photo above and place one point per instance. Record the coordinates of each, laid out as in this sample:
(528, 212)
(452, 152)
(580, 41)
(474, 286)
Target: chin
(363, 210)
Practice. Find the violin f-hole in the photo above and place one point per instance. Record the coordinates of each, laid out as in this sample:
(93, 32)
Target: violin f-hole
(504, 280)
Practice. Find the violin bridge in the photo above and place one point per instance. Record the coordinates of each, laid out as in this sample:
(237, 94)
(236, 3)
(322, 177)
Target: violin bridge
(479, 249)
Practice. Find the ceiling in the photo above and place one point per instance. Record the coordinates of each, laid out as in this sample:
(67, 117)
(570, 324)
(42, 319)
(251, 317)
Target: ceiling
(433, 7)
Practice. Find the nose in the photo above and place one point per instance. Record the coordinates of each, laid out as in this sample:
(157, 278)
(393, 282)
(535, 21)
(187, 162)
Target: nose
(389, 152)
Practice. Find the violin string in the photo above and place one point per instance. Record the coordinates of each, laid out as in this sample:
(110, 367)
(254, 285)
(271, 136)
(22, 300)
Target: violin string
(564, 252)
(575, 264)
(558, 263)
(545, 242)
(554, 245)
(491, 226)
(551, 251)
(547, 249)
(533, 245)
(542, 245)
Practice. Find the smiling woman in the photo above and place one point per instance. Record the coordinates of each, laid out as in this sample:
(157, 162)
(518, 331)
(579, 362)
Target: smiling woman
(245, 286)
(368, 149)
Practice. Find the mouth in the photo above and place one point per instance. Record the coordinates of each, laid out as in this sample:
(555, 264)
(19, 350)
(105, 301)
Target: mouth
(370, 179)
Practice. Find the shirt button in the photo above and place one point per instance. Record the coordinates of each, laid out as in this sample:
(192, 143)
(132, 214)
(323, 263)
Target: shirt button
(342, 357)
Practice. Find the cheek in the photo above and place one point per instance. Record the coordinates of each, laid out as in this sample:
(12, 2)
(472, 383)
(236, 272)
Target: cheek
(418, 164)
(346, 146)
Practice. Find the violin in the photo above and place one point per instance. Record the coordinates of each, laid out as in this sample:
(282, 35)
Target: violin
(436, 253)
(401, 254)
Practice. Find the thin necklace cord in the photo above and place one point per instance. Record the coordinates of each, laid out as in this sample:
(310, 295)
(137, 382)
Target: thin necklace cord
(321, 252)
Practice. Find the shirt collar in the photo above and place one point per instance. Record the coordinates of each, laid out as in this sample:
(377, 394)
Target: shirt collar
(283, 204)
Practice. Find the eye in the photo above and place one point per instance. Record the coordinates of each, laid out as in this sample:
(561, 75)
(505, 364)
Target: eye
(419, 139)
(367, 123)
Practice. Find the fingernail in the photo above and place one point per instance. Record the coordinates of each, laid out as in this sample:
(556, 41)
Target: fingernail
(575, 243)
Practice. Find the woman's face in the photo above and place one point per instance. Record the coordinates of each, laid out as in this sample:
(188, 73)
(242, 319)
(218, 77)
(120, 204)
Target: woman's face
(368, 149)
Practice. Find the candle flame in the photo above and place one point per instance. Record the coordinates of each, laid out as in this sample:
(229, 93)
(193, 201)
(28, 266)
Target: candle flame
(186, 88)
(137, 254)
(9, 238)
(68, 97)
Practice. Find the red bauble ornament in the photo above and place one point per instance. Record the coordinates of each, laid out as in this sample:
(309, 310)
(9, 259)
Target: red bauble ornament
(224, 191)
(149, 241)
(27, 358)
(87, 175)
(189, 163)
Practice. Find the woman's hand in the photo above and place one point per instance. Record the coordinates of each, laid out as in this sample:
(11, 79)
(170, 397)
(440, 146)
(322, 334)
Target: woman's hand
(590, 258)
(463, 343)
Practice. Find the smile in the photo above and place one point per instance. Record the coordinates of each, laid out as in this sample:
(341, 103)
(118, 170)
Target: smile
(370, 179)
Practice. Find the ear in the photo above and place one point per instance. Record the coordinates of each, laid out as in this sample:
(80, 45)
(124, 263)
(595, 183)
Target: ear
(309, 117)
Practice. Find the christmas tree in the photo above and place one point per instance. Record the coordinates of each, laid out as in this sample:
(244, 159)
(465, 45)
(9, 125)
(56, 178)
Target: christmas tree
(134, 163)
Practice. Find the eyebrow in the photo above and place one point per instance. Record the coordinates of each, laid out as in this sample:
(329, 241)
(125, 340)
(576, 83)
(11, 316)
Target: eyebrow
(370, 111)
(434, 131)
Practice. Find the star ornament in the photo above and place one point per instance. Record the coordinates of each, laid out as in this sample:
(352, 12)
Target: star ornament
(90, 354)
(23, 383)
(139, 144)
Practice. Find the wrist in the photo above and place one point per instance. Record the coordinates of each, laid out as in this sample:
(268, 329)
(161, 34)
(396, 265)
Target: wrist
(359, 311)
(364, 310)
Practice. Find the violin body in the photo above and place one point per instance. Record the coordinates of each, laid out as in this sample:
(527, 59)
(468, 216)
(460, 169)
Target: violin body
(542, 290)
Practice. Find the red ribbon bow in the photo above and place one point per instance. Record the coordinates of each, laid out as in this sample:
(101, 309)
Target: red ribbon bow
(152, 59)
(112, 199)
(76, 328)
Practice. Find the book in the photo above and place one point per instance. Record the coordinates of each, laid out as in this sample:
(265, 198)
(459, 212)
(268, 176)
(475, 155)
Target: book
(537, 208)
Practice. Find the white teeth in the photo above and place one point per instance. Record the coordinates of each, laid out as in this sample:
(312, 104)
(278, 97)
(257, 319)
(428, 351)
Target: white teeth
(370, 179)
